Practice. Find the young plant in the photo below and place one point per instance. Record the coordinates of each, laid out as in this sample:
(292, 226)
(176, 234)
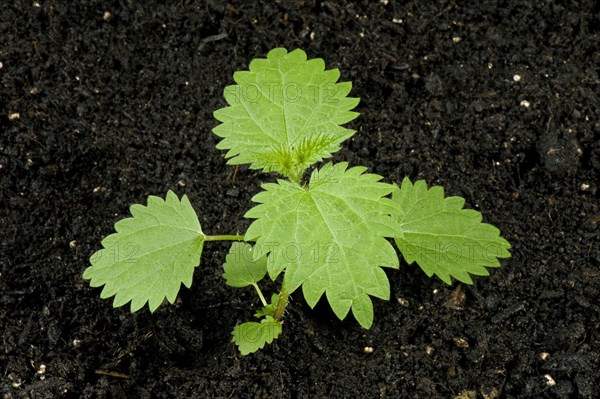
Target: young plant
(330, 233)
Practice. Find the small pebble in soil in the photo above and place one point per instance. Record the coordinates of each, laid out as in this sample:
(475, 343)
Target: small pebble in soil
(456, 299)
(460, 342)
(16, 380)
(107, 16)
(429, 350)
(544, 356)
(517, 78)
(368, 349)
(181, 183)
(76, 343)
(549, 380)
(456, 39)
(525, 103)
(41, 371)
(73, 244)
(14, 116)
(34, 91)
(404, 302)
(584, 187)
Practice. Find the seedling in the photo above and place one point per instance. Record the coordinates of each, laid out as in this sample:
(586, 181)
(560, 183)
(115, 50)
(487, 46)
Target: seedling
(330, 232)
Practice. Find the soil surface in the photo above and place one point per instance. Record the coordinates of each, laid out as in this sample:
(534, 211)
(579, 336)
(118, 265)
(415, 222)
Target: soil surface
(105, 102)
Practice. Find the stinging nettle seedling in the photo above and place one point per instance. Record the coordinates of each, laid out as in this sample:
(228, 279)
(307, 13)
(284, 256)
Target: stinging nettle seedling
(329, 233)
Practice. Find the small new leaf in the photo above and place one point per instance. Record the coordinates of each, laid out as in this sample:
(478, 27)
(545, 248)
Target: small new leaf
(252, 336)
(442, 237)
(241, 269)
(285, 113)
(268, 310)
(150, 254)
(329, 237)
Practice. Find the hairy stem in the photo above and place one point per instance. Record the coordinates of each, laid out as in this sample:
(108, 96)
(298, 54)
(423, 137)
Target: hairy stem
(284, 297)
(224, 238)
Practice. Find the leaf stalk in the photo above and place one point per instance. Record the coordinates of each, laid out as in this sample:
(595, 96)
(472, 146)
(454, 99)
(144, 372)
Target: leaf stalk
(260, 294)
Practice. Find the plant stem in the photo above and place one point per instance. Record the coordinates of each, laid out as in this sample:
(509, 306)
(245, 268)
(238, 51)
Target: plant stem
(284, 297)
(224, 238)
(260, 294)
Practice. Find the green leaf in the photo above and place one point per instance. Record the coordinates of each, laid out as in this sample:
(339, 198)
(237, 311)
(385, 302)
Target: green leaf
(252, 336)
(268, 310)
(442, 237)
(328, 237)
(241, 270)
(150, 254)
(285, 113)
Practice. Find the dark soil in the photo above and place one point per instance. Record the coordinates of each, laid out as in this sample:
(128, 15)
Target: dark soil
(115, 102)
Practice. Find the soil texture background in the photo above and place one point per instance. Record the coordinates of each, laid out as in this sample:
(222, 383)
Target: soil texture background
(105, 102)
